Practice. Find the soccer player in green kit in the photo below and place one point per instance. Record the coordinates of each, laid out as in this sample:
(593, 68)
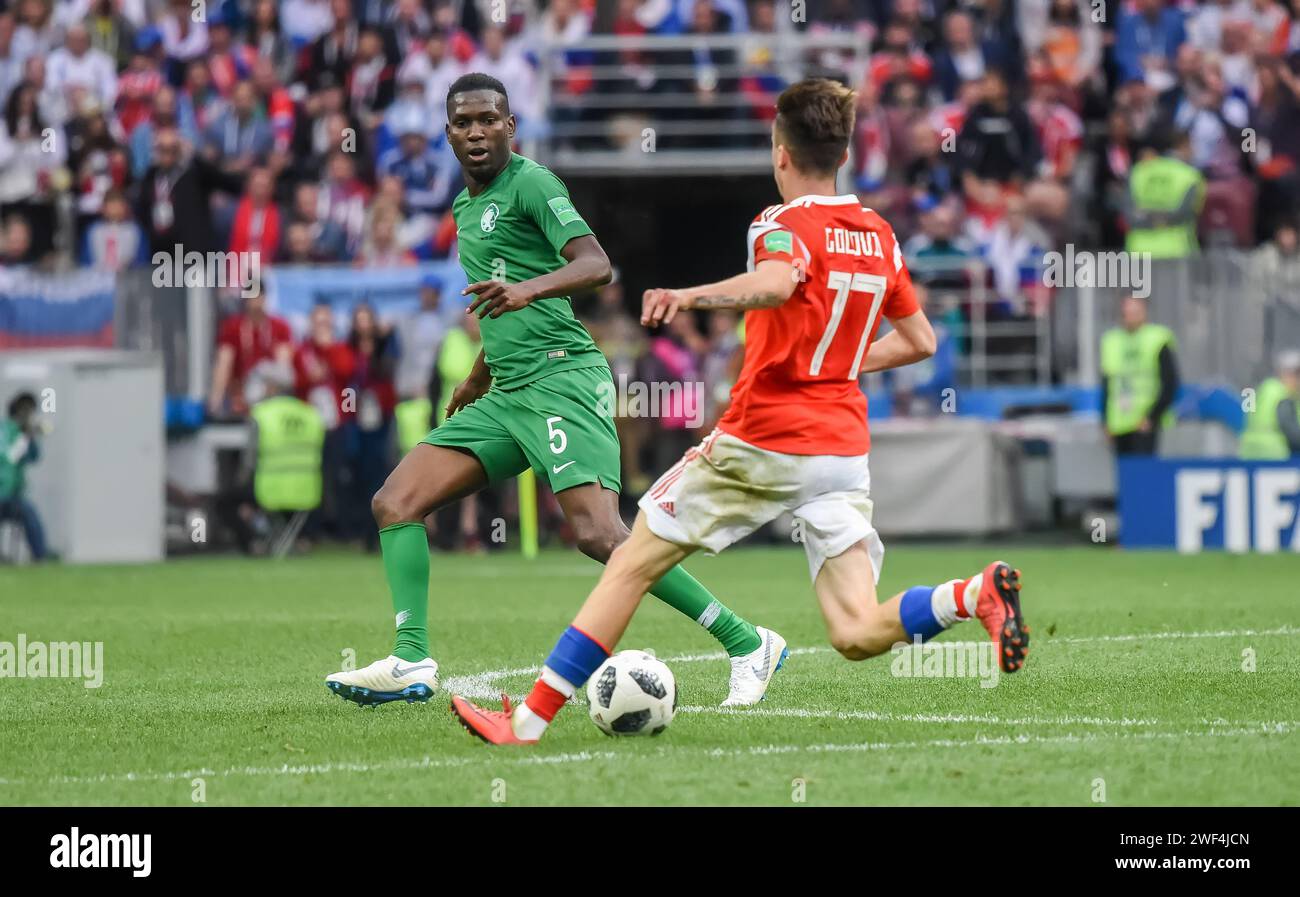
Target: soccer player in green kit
(532, 400)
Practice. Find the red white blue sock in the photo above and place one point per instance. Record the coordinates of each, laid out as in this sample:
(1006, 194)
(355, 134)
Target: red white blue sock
(575, 657)
(926, 611)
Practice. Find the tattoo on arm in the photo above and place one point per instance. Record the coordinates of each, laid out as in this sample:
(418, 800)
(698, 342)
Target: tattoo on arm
(751, 300)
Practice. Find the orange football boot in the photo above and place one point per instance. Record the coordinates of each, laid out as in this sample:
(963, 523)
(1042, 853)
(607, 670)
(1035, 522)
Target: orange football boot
(493, 726)
(998, 609)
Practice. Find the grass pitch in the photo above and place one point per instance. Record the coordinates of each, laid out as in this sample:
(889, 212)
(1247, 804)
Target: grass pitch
(1153, 679)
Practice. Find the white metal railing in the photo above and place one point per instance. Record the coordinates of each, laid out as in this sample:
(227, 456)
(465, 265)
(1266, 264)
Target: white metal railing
(655, 104)
(992, 349)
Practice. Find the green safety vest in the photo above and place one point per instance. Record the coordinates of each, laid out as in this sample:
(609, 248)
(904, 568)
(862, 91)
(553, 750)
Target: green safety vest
(1263, 439)
(1131, 364)
(1162, 185)
(414, 420)
(455, 361)
(290, 440)
(12, 480)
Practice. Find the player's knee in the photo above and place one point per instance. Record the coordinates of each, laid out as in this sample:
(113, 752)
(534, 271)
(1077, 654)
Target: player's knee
(598, 542)
(389, 506)
(855, 642)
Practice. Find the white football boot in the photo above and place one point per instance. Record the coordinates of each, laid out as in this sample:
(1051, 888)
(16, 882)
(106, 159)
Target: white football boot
(751, 673)
(390, 679)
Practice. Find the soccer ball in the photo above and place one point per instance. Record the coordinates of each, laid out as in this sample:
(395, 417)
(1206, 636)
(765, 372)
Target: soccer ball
(632, 693)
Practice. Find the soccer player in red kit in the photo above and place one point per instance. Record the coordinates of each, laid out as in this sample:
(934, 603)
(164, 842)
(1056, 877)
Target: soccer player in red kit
(823, 273)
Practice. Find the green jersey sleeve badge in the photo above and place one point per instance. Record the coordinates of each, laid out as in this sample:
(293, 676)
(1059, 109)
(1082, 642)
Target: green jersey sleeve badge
(563, 209)
(779, 241)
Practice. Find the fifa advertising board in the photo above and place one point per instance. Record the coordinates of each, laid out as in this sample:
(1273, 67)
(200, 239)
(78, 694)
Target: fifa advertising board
(1210, 504)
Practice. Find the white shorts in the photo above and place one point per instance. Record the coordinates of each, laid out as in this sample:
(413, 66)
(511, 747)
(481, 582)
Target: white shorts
(724, 489)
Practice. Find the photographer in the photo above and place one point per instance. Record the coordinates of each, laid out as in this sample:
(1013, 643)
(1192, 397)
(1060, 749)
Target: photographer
(18, 448)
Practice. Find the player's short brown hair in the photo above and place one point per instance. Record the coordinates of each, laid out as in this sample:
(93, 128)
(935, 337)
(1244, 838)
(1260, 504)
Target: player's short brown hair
(814, 120)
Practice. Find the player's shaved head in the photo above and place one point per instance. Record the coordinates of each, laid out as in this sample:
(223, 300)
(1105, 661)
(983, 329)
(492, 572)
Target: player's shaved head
(814, 121)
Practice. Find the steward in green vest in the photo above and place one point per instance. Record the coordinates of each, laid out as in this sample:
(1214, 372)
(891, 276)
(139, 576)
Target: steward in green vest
(1165, 197)
(1273, 427)
(1139, 380)
(456, 360)
(290, 440)
(414, 421)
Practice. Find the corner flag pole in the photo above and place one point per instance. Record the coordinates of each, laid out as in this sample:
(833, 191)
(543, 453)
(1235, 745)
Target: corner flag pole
(528, 514)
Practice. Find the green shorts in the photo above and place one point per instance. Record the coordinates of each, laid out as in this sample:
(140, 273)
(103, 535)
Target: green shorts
(560, 425)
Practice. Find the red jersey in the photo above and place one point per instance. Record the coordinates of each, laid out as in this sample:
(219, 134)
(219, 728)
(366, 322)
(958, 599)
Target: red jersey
(798, 390)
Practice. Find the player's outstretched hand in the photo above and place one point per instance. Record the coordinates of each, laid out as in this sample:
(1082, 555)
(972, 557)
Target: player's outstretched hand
(466, 394)
(659, 306)
(493, 298)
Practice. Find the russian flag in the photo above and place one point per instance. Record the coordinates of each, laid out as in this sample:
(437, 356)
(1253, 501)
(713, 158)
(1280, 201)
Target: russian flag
(56, 310)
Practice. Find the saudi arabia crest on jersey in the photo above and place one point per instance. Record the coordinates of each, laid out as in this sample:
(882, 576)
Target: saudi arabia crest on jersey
(489, 220)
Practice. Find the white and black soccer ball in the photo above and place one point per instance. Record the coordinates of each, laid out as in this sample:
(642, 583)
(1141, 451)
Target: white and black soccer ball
(632, 693)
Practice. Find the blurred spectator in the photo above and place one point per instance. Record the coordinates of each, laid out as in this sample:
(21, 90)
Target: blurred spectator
(183, 38)
(326, 64)
(963, 58)
(306, 20)
(622, 340)
(1148, 35)
(323, 367)
(114, 242)
(1139, 371)
(382, 247)
(20, 448)
(421, 334)
(441, 69)
(939, 253)
(429, 175)
(281, 471)
(672, 368)
(343, 200)
(96, 161)
(137, 87)
(244, 341)
(372, 82)
(30, 155)
(1113, 155)
(368, 434)
(721, 365)
(37, 33)
(997, 141)
(229, 61)
(175, 196)
(328, 239)
(11, 63)
(508, 65)
(1015, 255)
(163, 115)
(257, 227)
(1165, 196)
(76, 66)
(460, 349)
(1273, 425)
(240, 137)
(265, 39)
(16, 243)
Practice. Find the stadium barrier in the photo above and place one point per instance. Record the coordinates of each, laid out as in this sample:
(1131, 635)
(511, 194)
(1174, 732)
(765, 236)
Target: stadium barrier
(1194, 505)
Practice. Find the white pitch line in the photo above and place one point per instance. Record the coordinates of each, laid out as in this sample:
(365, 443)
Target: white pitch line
(511, 759)
(876, 716)
(484, 685)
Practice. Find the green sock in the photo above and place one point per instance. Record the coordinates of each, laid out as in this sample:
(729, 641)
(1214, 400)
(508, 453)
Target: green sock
(406, 563)
(683, 592)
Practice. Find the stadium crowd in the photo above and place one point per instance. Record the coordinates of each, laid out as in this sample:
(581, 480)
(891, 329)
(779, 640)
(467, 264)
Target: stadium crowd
(311, 130)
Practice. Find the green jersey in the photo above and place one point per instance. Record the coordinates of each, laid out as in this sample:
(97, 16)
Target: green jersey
(513, 231)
